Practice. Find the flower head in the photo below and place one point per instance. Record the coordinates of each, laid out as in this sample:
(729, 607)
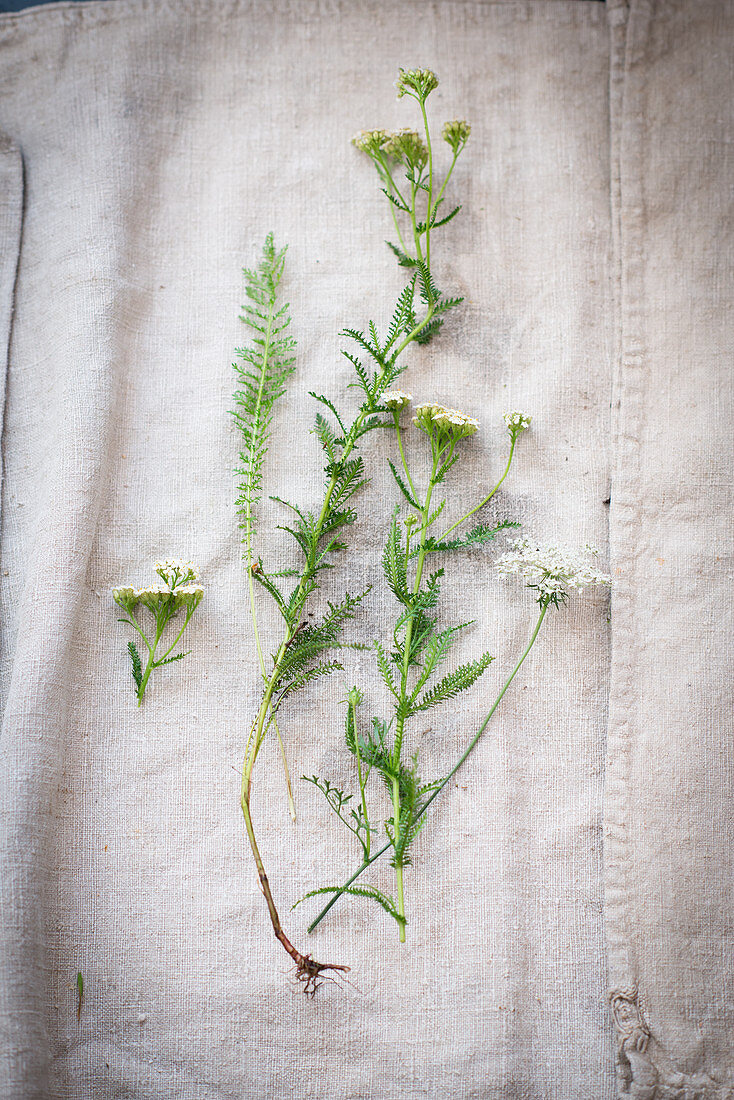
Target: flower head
(418, 83)
(370, 141)
(176, 572)
(125, 597)
(152, 596)
(189, 595)
(406, 146)
(456, 133)
(432, 417)
(551, 570)
(396, 399)
(517, 423)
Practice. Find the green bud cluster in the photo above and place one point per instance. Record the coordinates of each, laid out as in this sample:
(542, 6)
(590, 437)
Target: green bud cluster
(418, 83)
(456, 134)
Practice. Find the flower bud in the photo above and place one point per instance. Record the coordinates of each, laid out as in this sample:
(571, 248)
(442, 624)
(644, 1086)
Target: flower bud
(456, 133)
(406, 146)
(370, 141)
(416, 82)
(125, 597)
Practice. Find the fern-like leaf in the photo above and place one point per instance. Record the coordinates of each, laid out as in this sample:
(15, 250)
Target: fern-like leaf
(137, 667)
(478, 536)
(168, 660)
(383, 900)
(455, 682)
(262, 371)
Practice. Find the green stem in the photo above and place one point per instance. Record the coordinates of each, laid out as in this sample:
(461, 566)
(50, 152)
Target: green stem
(400, 724)
(486, 499)
(386, 177)
(472, 744)
(396, 418)
(416, 235)
(439, 196)
(189, 613)
(430, 183)
(362, 781)
(151, 659)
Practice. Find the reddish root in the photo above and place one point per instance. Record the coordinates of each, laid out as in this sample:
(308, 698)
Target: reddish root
(308, 972)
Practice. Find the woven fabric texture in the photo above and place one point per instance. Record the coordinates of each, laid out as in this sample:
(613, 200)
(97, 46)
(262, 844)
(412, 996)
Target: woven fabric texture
(148, 148)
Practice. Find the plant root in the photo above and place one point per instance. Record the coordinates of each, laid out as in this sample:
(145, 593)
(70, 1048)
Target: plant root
(308, 972)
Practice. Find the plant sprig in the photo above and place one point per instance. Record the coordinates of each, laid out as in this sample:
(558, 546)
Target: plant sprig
(375, 359)
(165, 603)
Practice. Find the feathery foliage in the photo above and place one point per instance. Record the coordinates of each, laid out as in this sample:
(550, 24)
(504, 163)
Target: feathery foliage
(262, 372)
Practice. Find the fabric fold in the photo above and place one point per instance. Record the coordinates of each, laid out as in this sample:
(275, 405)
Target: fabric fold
(669, 814)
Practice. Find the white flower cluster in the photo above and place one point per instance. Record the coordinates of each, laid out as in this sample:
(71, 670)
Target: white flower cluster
(177, 574)
(396, 399)
(175, 571)
(189, 594)
(551, 570)
(517, 422)
(450, 421)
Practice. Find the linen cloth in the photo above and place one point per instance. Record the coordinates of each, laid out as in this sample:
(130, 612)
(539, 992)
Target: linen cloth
(149, 148)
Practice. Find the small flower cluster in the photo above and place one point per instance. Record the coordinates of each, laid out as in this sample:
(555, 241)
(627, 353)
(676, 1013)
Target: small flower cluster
(396, 399)
(371, 141)
(176, 572)
(180, 592)
(406, 146)
(418, 83)
(517, 423)
(551, 570)
(456, 134)
(430, 416)
(164, 602)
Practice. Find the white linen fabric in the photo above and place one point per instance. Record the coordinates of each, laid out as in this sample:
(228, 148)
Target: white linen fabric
(148, 148)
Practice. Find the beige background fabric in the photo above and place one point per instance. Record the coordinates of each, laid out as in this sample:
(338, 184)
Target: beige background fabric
(669, 778)
(159, 143)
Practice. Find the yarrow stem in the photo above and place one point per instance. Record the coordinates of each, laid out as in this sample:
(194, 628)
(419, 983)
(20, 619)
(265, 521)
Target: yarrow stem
(435, 793)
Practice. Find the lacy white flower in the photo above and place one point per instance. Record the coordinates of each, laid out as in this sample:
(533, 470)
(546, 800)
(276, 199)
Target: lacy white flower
(152, 595)
(175, 571)
(189, 595)
(517, 422)
(431, 416)
(456, 133)
(396, 399)
(551, 570)
(416, 82)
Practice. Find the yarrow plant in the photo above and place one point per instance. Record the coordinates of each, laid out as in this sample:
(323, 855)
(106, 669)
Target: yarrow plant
(414, 661)
(300, 654)
(177, 598)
